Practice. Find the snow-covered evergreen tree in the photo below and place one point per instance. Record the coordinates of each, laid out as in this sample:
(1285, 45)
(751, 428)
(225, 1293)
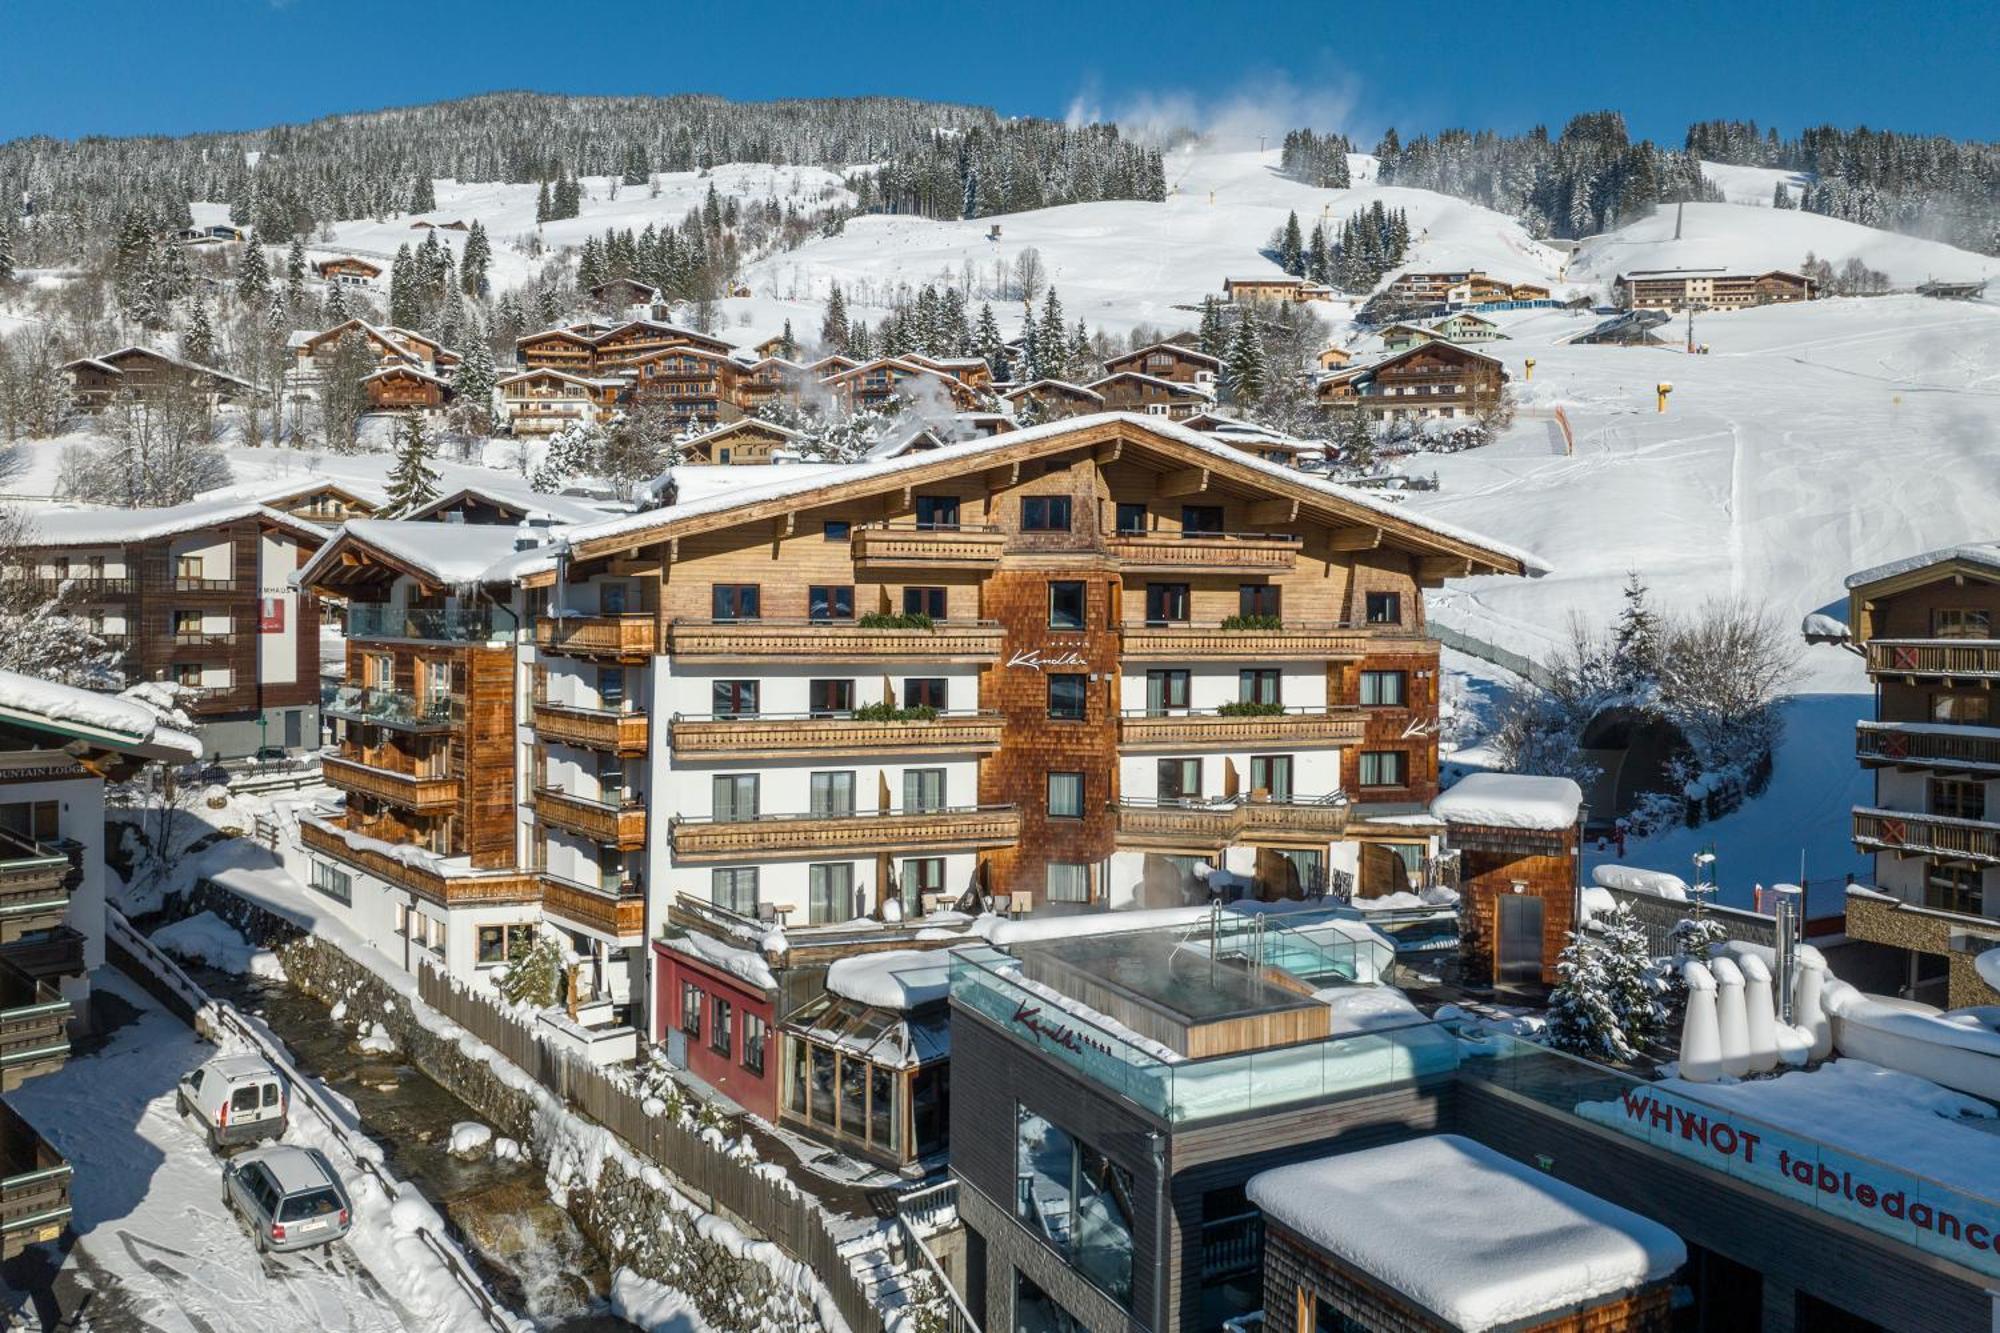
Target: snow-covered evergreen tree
(988, 344)
(1635, 641)
(1291, 247)
(573, 452)
(1583, 1007)
(1630, 973)
(477, 258)
(1213, 336)
(834, 333)
(253, 275)
(537, 973)
(1245, 371)
(198, 341)
(412, 481)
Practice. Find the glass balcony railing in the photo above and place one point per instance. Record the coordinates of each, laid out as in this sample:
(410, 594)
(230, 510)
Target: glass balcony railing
(397, 709)
(465, 624)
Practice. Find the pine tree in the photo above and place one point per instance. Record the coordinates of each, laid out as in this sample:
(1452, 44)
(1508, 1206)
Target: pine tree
(473, 383)
(295, 272)
(788, 346)
(253, 276)
(478, 256)
(1635, 641)
(1213, 337)
(1052, 339)
(1583, 1013)
(987, 342)
(1245, 371)
(335, 311)
(1780, 196)
(834, 333)
(1629, 973)
(1291, 247)
(6, 244)
(198, 343)
(423, 195)
(542, 213)
(573, 452)
(537, 973)
(405, 297)
(412, 481)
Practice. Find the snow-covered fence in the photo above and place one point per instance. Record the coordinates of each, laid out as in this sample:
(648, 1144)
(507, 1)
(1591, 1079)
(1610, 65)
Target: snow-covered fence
(1473, 646)
(921, 1213)
(1658, 916)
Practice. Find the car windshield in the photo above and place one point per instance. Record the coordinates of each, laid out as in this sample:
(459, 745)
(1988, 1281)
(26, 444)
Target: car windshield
(313, 1203)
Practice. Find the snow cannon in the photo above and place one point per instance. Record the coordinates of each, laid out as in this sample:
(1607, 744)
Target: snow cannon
(1760, 1013)
(1528, 370)
(1731, 1022)
(1808, 1011)
(1701, 1051)
(1663, 389)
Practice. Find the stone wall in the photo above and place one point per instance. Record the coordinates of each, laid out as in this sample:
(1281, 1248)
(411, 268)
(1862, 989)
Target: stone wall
(1906, 926)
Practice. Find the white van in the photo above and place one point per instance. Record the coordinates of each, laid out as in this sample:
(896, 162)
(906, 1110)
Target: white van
(238, 1098)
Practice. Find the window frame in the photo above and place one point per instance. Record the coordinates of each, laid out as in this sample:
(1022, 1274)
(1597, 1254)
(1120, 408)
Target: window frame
(1376, 678)
(1071, 784)
(1391, 601)
(1046, 513)
(1065, 589)
(1068, 683)
(1399, 760)
(920, 598)
(833, 596)
(727, 602)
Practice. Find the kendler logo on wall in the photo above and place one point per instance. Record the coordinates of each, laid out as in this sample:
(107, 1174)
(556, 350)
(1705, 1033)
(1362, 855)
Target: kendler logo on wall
(1040, 659)
(1070, 1039)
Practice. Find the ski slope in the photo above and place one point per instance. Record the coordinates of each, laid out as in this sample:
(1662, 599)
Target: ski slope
(1754, 186)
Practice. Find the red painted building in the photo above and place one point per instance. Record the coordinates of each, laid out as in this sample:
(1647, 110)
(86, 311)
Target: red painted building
(716, 1025)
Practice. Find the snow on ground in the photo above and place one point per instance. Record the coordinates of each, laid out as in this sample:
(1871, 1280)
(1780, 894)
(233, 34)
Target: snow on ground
(653, 1306)
(1754, 186)
(147, 1198)
(207, 938)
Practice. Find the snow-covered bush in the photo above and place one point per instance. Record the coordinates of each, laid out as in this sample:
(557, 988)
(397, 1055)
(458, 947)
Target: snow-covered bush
(537, 974)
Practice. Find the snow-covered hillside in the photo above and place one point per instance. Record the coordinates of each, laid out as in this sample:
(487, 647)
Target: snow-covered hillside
(1753, 185)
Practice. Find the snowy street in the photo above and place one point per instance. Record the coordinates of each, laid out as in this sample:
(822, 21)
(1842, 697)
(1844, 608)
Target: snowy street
(154, 1246)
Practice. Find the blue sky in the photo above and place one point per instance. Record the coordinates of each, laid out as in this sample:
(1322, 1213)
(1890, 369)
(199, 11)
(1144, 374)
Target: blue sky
(139, 66)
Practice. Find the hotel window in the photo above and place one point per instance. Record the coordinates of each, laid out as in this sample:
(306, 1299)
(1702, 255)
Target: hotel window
(1956, 798)
(735, 601)
(1200, 520)
(1272, 775)
(831, 889)
(754, 1033)
(937, 512)
(187, 624)
(923, 789)
(610, 686)
(1178, 779)
(691, 1009)
(1067, 882)
(1045, 513)
(1066, 697)
(836, 530)
(1384, 689)
(188, 674)
(1066, 605)
(1960, 708)
(1259, 685)
(734, 796)
(922, 875)
(1961, 623)
(332, 881)
(924, 602)
(1954, 889)
(612, 598)
(185, 567)
(830, 698)
(831, 601)
(1385, 608)
(1035, 1311)
(1066, 795)
(734, 889)
(1384, 768)
(1258, 599)
(924, 692)
(496, 944)
(721, 1032)
(832, 794)
(1166, 690)
(734, 698)
(1131, 519)
(1166, 602)
(1076, 1199)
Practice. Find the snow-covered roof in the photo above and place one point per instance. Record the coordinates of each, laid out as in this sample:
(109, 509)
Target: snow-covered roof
(450, 554)
(117, 723)
(1973, 553)
(1477, 1239)
(746, 964)
(1511, 800)
(115, 527)
(559, 508)
(900, 979)
(270, 492)
(1178, 349)
(1188, 390)
(1064, 385)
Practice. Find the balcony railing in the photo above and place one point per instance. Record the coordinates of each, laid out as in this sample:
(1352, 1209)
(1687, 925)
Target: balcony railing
(399, 710)
(623, 636)
(776, 735)
(35, 884)
(966, 546)
(839, 640)
(606, 729)
(189, 583)
(1178, 641)
(34, 1026)
(708, 839)
(1927, 835)
(620, 912)
(620, 824)
(1969, 659)
(221, 638)
(1162, 552)
(86, 586)
(34, 1186)
(406, 791)
(1148, 730)
(428, 875)
(1928, 745)
(465, 624)
(1220, 822)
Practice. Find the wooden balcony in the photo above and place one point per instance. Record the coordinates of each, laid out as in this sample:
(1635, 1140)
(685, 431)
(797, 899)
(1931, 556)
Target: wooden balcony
(622, 826)
(1211, 826)
(620, 914)
(627, 638)
(34, 1027)
(841, 641)
(1935, 659)
(1198, 730)
(593, 728)
(860, 833)
(785, 736)
(880, 546)
(34, 1186)
(35, 884)
(1974, 750)
(1310, 643)
(422, 874)
(1927, 835)
(1211, 552)
(49, 956)
(405, 791)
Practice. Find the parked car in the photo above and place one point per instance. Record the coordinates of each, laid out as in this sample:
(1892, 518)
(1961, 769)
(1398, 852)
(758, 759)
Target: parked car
(238, 1098)
(290, 1197)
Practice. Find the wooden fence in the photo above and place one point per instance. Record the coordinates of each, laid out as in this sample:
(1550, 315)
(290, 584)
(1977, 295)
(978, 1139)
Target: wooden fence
(721, 1183)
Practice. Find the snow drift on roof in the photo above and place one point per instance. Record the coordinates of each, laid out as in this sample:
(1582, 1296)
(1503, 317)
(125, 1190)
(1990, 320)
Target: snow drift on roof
(65, 705)
(1974, 553)
(1511, 800)
(114, 527)
(446, 553)
(899, 979)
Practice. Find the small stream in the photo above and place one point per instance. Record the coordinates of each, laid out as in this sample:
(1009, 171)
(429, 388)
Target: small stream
(526, 1247)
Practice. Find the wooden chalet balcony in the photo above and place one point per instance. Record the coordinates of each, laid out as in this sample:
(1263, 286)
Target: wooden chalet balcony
(1929, 745)
(398, 710)
(775, 736)
(909, 546)
(1220, 823)
(405, 791)
(1225, 552)
(1946, 659)
(837, 640)
(623, 826)
(34, 1186)
(422, 875)
(860, 832)
(620, 913)
(1181, 641)
(1141, 730)
(632, 637)
(1927, 835)
(34, 1027)
(35, 884)
(592, 728)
